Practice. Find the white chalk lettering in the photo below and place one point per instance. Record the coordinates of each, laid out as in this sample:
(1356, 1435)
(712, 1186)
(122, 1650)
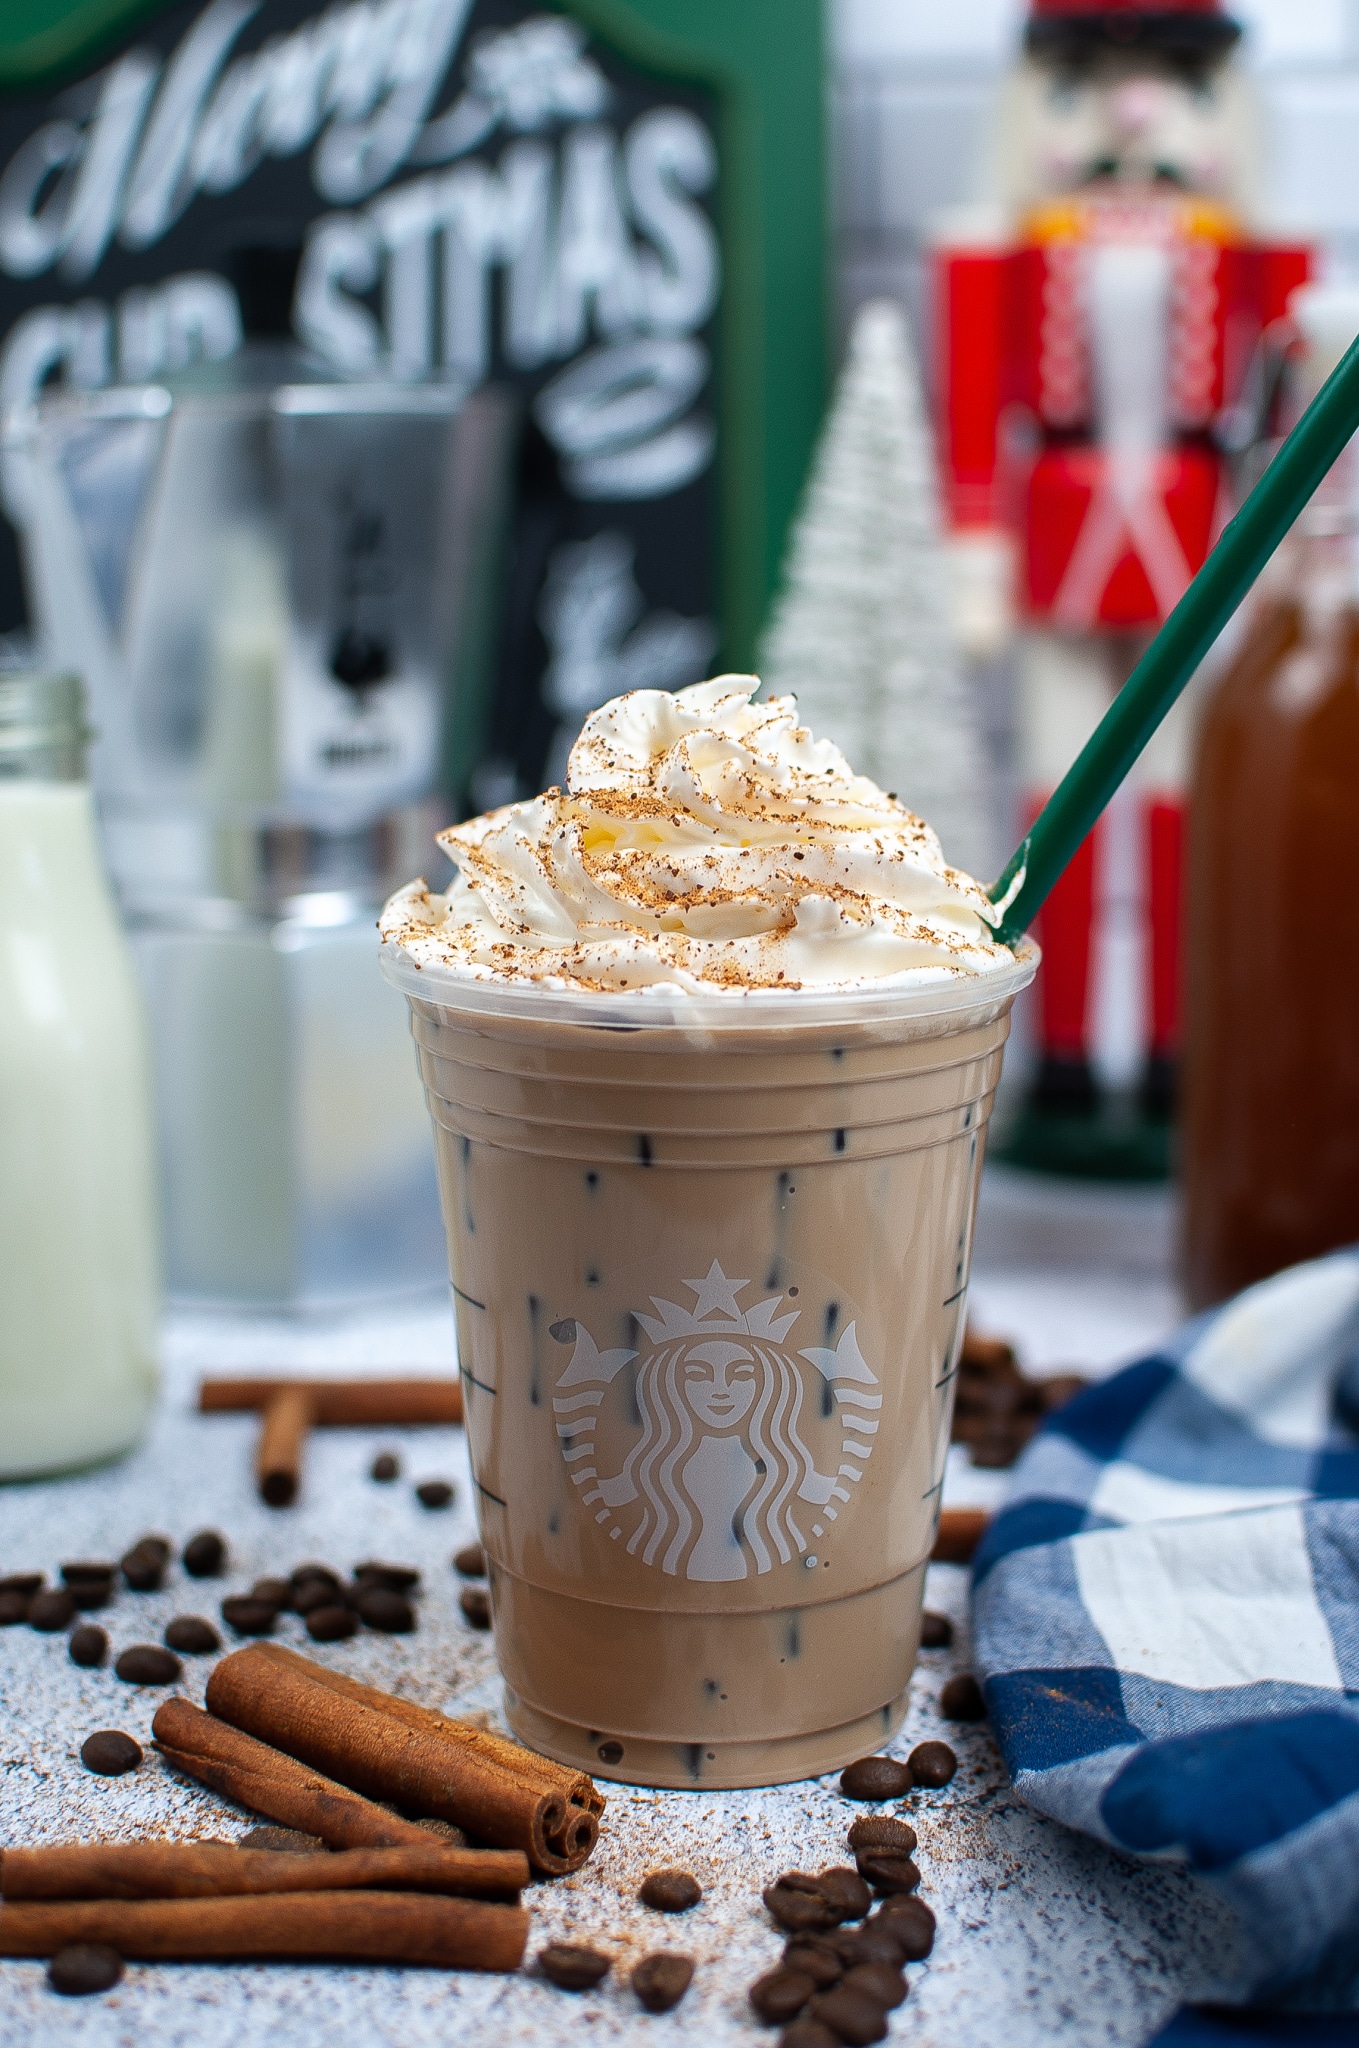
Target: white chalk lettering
(670, 156)
(160, 186)
(595, 264)
(343, 256)
(188, 318)
(581, 247)
(359, 81)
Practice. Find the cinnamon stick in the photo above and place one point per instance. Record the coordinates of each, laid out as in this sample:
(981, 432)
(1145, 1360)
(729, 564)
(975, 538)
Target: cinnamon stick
(213, 1870)
(343, 1403)
(960, 1531)
(363, 1927)
(355, 1736)
(288, 1415)
(277, 1786)
(577, 1787)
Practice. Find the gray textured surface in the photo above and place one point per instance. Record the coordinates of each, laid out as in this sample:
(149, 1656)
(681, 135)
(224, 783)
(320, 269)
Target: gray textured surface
(1041, 1934)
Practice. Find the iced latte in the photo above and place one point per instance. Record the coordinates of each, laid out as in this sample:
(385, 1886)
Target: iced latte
(710, 1039)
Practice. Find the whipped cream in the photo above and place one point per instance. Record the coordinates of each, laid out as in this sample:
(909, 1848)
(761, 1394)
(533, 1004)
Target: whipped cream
(701, 841)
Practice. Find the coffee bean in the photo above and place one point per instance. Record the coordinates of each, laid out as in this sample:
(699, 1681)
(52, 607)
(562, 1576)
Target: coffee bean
(51, 1611)
(148, 1664)
(846, 1891)
(144, 1565)
(334, 1624)
(313, 1574)
(997, 1409)
(875, 1777)
(571, 1967)
(882, 1831)
(802, 1881)
(85, 1967)
(396, 1578)
(961, 1699)
(910, 1923)
(26, 1583)
(878, 1981)
(874, 1942)
(204, 1555)
(806, 2032)
(998, 1449)
(780, 1995)
(801, 1912)
(815, 1959)
(932, 1764)
(91, 1593)
(249, 1617)
(288, 1841)
(385, 1467)
(986, 1354)
(14, 1608)
(1008, 1397)
(89, 1585)
(110, 1753)
(936, 1631)
(475, 1603)
(887, 1870)
(471, 1561)
(316, 1593)
(278, 1592)
(434, 1493)
(192, 1635)
(661, 1981)
(387, 1612)
(142, 1571)
(670, 1891)
(851, 2016)
(88, 1645)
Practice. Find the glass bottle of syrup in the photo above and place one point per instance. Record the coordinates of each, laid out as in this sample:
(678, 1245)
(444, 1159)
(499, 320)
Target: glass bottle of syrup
(1270, 1128)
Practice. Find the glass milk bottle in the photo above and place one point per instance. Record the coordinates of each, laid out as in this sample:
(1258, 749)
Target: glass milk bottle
(79, 1265)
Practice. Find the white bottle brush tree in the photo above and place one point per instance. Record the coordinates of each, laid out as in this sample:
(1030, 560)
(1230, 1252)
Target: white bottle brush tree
(860, 631)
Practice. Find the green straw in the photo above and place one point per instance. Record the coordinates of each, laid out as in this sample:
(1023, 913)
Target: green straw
(1246, 545)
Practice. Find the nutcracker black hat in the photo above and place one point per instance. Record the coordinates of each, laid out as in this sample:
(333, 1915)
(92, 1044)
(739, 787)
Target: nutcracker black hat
(1189, 29)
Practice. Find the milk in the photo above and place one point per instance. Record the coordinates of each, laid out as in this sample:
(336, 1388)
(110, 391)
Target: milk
(79, 1270)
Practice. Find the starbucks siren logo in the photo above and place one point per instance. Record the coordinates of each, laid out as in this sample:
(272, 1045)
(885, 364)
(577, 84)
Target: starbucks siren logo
(717, 1479)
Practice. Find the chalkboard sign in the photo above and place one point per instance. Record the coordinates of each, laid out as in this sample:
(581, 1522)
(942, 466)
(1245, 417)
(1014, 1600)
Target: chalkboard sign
(614, 214)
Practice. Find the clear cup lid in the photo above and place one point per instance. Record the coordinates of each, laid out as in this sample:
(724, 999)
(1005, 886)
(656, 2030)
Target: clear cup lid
(928, 997)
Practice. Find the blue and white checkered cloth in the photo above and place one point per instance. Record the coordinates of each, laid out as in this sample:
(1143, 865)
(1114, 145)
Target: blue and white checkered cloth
(1167, 1622)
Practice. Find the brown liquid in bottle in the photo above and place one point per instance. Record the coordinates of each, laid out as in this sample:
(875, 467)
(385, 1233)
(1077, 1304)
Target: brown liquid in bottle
(1271, 1075)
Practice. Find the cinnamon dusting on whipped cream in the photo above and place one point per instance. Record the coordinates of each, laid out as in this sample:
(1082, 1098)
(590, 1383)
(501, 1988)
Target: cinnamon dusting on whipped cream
(701, 841)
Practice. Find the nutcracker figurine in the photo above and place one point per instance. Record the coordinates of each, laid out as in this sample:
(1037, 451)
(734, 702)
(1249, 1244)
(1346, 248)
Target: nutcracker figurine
(1099, 332)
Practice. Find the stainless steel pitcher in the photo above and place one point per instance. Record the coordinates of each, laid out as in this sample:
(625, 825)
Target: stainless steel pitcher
(269, 591)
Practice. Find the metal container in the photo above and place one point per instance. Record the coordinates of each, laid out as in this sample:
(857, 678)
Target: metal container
(268, 591)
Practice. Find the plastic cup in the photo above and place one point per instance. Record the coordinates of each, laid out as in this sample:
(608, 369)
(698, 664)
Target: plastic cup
(709, 1262)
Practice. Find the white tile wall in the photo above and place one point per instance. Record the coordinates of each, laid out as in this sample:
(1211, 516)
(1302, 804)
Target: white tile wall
(887, 31)
(913, 86)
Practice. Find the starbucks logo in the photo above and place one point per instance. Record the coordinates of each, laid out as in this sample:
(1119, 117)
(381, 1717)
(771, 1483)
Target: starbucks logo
(695, 1448)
